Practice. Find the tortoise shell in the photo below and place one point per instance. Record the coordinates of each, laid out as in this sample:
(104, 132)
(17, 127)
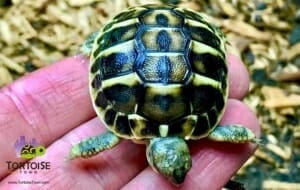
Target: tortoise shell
(159, 71)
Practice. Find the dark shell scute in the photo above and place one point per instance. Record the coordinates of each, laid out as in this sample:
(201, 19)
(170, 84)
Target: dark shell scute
(202, 126)
(110, 116)
(208, 65)
(205, 36)
(101, 100)
(177, 127)
(219, 101)
(127, 92)
(119, 93)
(122, 125)
(150, 129)
(96, 82)
(203, 98)
(124, 97)
(116, 64)
(95, 66)
(117, 36)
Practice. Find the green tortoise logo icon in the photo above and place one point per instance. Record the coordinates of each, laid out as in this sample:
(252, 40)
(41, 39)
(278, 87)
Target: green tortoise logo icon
(28, 150)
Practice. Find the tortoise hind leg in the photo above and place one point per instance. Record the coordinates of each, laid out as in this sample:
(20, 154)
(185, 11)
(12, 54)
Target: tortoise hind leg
(94, 145)
(233, 133)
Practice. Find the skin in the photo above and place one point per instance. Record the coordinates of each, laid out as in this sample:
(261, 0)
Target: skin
(53, 106)
(169, 156)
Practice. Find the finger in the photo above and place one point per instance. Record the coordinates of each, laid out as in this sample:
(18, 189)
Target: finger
(110, 169)
(44, 105)
(213, 163)
(238, 77)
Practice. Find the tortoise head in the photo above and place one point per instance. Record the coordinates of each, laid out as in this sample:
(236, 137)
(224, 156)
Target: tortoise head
(169, 156)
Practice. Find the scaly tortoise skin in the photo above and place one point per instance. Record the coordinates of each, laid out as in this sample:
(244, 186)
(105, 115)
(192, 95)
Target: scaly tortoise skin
(158, 74)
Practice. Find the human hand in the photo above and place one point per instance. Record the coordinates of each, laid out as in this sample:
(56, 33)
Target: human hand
(53, 106)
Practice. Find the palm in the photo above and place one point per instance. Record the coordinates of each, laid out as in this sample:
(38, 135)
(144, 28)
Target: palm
(53, 106)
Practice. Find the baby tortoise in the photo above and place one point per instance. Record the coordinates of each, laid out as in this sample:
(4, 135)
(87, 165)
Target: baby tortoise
(158, 74)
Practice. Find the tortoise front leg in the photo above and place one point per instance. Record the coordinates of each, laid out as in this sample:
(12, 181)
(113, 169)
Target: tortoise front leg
(233, 133)
(87, 47)
(94, 145)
